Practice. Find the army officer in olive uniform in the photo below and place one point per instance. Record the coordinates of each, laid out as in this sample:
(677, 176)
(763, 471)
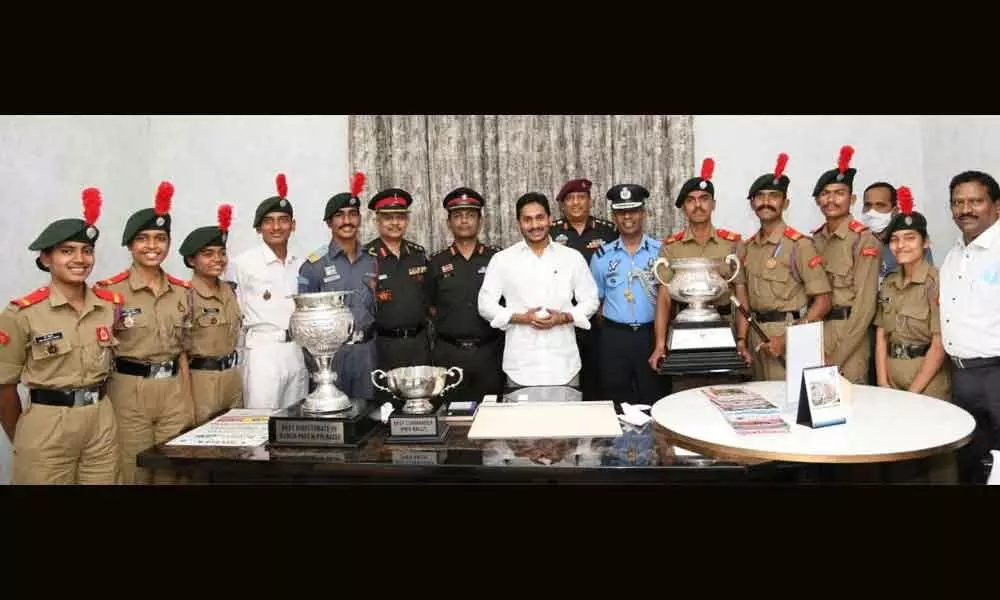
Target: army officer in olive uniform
(462, 337)
(215, 321)
(58, 341)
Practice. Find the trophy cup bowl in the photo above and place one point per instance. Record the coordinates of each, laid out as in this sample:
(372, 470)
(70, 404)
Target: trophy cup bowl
(321, 324)
(697, 283)
(416, 385)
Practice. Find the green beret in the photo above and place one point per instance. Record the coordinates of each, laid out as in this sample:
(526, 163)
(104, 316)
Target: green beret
(339, 201)
(273, 204)
(63, 230)
(202, 238)
(144, 220)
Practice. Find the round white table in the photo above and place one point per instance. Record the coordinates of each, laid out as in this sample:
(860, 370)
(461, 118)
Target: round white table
(883, 425)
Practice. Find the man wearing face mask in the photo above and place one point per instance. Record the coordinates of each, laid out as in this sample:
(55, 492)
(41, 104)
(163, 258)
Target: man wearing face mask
(879, 206)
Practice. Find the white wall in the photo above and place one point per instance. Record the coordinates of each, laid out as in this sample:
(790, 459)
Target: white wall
(922, 152)
(46, 161)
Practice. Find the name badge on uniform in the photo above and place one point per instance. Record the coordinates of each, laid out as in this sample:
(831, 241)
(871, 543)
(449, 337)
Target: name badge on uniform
(383, 276)
(330, 270)
(55, 336)
(482, 270)
(331, 278)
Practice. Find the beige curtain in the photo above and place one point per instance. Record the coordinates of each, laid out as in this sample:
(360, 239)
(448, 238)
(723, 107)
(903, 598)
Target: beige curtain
(505, 156)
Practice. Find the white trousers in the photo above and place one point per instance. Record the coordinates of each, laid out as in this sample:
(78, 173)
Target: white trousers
(274, 374)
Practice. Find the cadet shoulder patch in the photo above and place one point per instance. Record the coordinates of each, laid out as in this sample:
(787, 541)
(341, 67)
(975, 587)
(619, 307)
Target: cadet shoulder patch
(792, 234)
(109, 296)
(856, 226)
(33, 298)
(731, 236)
(816, 260)
(114, 279)
(177, 281)
(4, 339)
(869, 251)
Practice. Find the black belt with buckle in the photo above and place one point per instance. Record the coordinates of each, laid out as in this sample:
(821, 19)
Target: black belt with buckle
(468, 343)
(838, 313)
(71, 397)
(628, 326)
(156, 370)
(401, 332)
(908, 351)
(775, 316)
(206, 363)
(975, 363)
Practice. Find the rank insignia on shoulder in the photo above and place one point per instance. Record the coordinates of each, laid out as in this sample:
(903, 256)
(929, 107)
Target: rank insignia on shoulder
(33, 298)
(731, 236)
(792, 234)
(856, 226)
(114, 279)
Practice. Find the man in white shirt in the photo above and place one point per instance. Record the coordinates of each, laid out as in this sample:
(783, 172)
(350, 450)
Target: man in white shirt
(266, 277)
(970, 314)
(538, 280)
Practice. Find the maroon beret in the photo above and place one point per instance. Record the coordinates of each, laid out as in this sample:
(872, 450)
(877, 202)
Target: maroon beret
(574, 185)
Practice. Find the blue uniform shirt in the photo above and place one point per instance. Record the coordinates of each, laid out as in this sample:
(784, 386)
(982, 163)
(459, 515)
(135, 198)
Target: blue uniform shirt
(625, 282)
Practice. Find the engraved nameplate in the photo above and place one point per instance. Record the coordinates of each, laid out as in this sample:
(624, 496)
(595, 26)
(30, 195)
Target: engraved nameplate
(413, 426)
(698, 338)
(312, 431)
(402, 456)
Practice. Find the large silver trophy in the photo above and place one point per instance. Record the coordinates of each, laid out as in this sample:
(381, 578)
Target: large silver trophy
(417, 387)
(321, 324)
(700, 340)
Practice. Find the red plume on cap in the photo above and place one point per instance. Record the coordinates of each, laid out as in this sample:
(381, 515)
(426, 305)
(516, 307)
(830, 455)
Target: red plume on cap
(164, 194)
(225, 217)
(905, 200)
(779, 168)
(707, 168)
(282, 185)
(91, 205)
(357, 183)
(844, 162)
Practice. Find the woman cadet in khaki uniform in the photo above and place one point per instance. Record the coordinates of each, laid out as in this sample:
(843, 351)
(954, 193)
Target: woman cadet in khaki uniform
(151, 402)
(215, 322)
(58, 342)
(909, 354)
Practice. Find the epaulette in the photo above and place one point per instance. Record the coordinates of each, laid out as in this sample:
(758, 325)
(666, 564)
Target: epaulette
(441, 251)
(317, 254)
(791, 234)
(674, 237)
(109, 296)
(372, 251)
(114, 279)
(556, 223)
(176, 281)
(414, 247)
(728, 235)
(33, 298)
(600, 251)
(856, 226)
(606, 223)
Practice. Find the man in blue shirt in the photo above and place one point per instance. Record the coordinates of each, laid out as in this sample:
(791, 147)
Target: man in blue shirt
(341, 266)
(627, 290)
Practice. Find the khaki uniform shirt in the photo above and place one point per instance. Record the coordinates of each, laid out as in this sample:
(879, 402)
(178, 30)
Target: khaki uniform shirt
(782, 271)
(45, 343)
(851, 259)
(719, 244)
(909, 313)
(215, 320)
(151, 328)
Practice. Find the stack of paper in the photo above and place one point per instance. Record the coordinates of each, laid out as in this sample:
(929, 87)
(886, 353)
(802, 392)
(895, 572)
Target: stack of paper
(747, 412)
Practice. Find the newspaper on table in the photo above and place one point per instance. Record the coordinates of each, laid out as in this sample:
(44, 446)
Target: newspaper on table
(747, 412)
(241, 427)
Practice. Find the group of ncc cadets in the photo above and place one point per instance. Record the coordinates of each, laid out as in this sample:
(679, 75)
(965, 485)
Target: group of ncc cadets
(118, 367)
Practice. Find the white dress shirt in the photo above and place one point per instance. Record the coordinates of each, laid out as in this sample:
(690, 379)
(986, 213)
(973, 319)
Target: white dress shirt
(525, 280)
(264, 287)
(970, 297)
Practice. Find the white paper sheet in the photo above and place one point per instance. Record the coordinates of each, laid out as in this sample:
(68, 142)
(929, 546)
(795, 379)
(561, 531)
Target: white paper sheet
(535, 420)
(803, 349)
(241, 427)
